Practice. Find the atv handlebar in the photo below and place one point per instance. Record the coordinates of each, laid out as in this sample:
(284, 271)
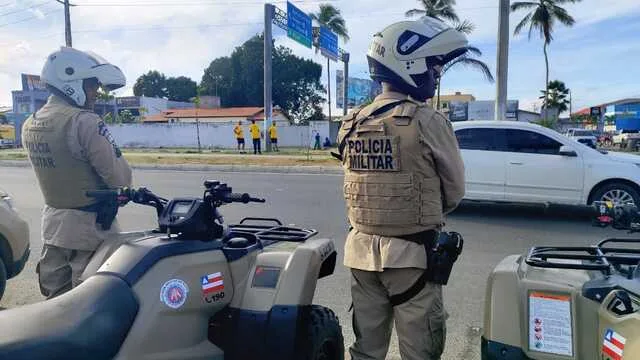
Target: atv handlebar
(241, 198)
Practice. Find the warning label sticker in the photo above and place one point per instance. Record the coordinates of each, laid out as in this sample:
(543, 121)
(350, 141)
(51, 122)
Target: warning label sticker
(550, 323)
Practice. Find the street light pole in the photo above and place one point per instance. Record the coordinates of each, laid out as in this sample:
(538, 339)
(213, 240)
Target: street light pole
(67, 21)
(269, 11)
(502, 70)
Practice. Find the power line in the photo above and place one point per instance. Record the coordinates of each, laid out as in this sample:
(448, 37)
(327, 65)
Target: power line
(196, 3)
(30, 18)
(24, 9)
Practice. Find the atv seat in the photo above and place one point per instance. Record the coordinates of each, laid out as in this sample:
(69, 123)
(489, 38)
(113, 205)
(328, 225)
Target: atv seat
(89, 322)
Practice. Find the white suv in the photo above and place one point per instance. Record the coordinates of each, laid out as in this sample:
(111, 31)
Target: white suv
(520, 162)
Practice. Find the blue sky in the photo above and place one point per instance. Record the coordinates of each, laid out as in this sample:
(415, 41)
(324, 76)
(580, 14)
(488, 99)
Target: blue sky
(598, 58)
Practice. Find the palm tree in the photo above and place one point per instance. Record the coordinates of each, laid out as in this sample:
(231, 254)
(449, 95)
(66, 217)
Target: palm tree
(469, 59)
(439, 9)
(443, 10)
(330, 16)
(556, 96)
(543, 17)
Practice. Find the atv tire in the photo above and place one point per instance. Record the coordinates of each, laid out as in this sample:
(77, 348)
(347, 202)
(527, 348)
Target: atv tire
(3, 277)
(322, 336)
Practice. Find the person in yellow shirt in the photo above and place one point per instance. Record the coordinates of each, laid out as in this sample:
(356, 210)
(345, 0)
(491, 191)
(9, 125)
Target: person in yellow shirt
(273, 135)
(239, 133)
(255, 135)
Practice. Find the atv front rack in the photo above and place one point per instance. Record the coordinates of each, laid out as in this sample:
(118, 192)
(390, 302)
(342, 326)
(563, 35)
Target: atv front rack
(272, 232)
(607, 259)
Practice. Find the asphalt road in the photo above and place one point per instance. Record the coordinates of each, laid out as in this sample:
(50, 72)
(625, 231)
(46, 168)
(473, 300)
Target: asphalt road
(491, 233)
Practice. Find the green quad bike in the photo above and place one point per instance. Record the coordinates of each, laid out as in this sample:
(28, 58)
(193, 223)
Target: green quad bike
(194, 288)
(568, 302)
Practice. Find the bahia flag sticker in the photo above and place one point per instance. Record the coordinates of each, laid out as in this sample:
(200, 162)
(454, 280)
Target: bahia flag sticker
(613, 345)
(212, 283)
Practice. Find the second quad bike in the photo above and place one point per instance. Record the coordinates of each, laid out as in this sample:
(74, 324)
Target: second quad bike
(568, 302)
(194, 288)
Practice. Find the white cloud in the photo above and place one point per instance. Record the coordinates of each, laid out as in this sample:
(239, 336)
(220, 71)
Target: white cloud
(182, 40)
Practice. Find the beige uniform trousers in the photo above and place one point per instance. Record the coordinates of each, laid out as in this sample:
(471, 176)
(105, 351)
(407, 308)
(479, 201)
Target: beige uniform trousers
(420, 322)
(59, 269)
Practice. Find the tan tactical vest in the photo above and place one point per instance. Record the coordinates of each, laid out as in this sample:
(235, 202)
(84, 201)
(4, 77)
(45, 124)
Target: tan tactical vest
(63, 179)
(389, 187)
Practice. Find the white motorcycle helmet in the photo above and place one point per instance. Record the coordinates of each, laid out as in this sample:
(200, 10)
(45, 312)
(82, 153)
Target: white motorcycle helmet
(404, 54)
(66, 69)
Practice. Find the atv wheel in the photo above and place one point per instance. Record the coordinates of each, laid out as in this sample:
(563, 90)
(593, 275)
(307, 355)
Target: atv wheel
(3, 277)
(322, 338)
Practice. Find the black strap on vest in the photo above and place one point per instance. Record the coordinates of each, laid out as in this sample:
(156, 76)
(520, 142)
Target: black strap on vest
(357, 122)
(428, 240)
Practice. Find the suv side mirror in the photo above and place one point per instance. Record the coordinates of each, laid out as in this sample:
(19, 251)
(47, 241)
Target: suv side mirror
(567, 151)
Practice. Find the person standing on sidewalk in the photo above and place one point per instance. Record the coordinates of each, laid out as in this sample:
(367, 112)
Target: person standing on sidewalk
(255, 135)
(239, 133)
(316, 145)
(273, 135)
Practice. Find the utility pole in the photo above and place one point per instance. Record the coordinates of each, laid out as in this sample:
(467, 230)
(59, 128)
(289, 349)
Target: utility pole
(269, 11)
(67, 21)
(345, 83)
(329, 87)
(503, 61)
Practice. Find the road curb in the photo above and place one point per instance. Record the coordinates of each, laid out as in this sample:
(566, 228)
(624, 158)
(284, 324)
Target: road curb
(219, 168)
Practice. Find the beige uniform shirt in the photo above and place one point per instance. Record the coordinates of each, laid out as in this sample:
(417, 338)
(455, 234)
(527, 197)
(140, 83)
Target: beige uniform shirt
(88, 141)
(371, 252)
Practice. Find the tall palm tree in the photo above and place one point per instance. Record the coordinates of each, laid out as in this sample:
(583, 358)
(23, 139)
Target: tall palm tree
(443, 10)
(469, 59)
(330, 16)
(543, 17)
(439, 9)
(557, 96)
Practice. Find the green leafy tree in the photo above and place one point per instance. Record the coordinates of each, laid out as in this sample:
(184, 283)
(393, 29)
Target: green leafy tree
(181, 88)
(108, 118)
(444, 11)
(126, 117)
(556, 96)
(439, 9)
(239, 81)
(151, 84)
(543, 16)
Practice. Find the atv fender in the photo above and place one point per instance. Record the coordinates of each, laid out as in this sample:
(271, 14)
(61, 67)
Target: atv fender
(298, 274)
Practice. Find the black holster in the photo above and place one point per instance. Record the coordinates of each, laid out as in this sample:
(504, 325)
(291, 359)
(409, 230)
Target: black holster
(106, 212)
(442, 250)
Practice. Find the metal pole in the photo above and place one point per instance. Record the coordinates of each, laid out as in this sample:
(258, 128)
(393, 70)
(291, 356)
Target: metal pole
(345, 83)
(503, 61)
(329, 86)
(67, 21)
(269, 11)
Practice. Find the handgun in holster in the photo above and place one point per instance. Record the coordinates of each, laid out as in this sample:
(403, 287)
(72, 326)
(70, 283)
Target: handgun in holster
(441, 256)
(106, 211)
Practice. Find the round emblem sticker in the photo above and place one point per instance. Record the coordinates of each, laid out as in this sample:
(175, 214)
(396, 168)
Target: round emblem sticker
(174, 293)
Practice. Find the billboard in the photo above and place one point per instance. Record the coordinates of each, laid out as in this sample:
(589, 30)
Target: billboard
(32, 82)
(128, 102)
(360, 90)
(480, 110)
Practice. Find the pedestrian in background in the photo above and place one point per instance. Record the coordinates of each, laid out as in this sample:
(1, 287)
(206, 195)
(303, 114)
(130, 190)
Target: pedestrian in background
(255, 135)
(316, 145)
(239, 133)
(273, 135)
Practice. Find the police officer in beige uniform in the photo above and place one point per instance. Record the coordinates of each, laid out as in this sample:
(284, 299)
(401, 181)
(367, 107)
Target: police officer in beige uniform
(403, 173)
(72, 151)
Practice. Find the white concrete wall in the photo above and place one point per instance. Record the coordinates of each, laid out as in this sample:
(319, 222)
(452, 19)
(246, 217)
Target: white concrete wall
(211, 135)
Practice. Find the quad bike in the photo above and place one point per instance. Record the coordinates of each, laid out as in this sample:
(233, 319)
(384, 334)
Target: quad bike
(194, 288)
(568, 302)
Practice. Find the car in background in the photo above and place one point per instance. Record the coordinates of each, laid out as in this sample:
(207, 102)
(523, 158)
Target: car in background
(626, 139)
(584, 136)
(509, 161)
(14, 241)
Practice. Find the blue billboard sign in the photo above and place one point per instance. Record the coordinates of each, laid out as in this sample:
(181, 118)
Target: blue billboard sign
(298, 25)
(328, 43)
